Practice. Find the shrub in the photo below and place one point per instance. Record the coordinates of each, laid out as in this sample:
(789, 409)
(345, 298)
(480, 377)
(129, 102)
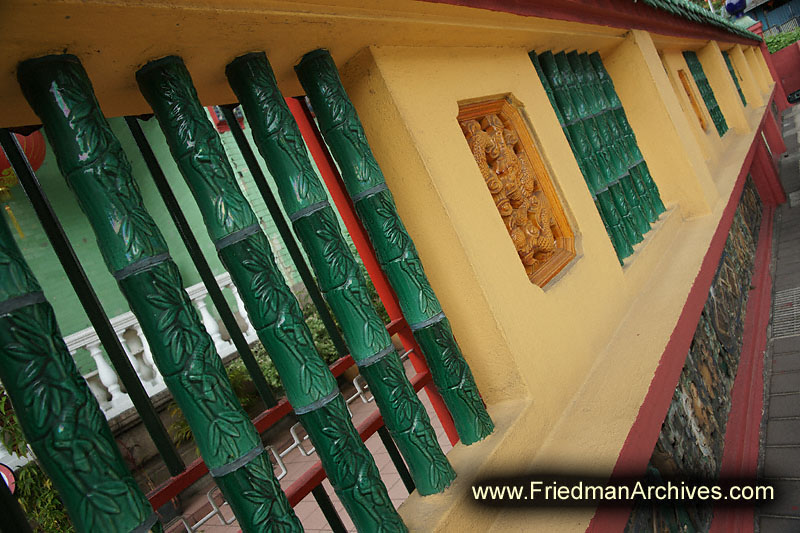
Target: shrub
(35, 492)
(782, 40)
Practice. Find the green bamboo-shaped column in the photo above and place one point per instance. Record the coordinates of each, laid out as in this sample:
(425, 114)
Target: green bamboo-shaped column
(621, 143)
(394, 248)
(91, 159)
(548, 88)
(273, 310)
(58, 413)
(303, 196)
(638, 167)
(699, 75)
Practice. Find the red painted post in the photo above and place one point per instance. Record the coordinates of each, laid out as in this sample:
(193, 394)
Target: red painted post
(765, 175)
(344, 205)
(773, 134)
(780, 93)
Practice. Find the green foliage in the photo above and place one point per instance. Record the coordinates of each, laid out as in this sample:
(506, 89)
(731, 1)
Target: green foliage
(782, 40)
(40, 501)
(35, 492)
(10, 431)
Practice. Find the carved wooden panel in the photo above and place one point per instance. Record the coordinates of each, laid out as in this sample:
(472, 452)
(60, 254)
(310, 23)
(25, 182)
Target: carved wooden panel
(520, 186)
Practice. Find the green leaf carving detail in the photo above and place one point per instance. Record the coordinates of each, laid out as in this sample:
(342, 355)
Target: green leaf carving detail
(394, 248)
(58, 413)
(92, 160)
(339, 277)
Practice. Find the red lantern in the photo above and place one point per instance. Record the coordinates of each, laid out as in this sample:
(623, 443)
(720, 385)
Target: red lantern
(34, 148)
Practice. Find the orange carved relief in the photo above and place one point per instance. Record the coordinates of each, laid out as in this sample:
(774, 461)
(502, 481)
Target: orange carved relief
(520, 186)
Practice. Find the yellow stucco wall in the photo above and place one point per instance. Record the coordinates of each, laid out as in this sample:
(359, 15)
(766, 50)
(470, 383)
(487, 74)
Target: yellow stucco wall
(750, 86)
(580, 353)
(661, 127)
(721, 82)
(753, 55)
(114, 38)
(673, 61)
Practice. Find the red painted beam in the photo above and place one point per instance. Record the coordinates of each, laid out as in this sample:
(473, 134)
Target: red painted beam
(772, 132)
(625, 14)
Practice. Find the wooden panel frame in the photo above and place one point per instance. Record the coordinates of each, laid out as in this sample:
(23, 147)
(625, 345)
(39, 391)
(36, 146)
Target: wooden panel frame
(508, 111)
(687, 86)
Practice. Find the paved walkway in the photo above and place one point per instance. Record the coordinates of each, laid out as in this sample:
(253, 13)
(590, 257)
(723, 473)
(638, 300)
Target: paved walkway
(780, 439)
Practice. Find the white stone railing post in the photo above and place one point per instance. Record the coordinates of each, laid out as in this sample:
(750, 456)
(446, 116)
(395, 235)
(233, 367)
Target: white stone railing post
(250, 332)
(147, 356)
(107, 375)
(211, 324)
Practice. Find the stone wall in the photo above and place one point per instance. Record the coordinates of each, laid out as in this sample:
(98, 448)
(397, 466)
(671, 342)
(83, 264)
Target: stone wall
(693, 434)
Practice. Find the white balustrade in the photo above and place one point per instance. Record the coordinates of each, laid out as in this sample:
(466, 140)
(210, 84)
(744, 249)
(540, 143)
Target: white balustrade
(147, 356)
(104, 382)
(107, 375)
(250, 331)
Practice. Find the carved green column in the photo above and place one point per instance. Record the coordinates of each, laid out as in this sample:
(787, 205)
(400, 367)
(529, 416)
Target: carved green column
(306, 203)
(58, 413)
(271, 306)
(94, 165)
(394, 248)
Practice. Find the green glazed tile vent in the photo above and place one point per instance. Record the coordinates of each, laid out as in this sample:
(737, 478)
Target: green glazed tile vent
(733, 75)
(700, 79)
(604, 145)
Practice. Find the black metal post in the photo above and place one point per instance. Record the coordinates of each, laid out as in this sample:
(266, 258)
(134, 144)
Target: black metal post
(91, 304)
(14, 520)
(284, 230)
(397, 459)
(325, 504)
(200, 263)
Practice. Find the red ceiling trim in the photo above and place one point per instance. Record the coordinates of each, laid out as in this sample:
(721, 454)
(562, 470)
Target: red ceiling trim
(625, 14)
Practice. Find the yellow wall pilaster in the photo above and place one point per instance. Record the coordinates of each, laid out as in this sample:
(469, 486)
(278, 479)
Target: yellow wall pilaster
(662, 129)
(749, 84)
(707, 140)
(755, 67)
(762, 61)
(719, 78)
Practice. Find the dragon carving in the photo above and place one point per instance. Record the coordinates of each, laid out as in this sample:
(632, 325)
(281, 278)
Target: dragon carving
(515, 188)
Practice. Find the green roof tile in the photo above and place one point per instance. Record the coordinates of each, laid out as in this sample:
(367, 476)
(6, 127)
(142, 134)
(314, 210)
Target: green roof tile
(697, 13)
